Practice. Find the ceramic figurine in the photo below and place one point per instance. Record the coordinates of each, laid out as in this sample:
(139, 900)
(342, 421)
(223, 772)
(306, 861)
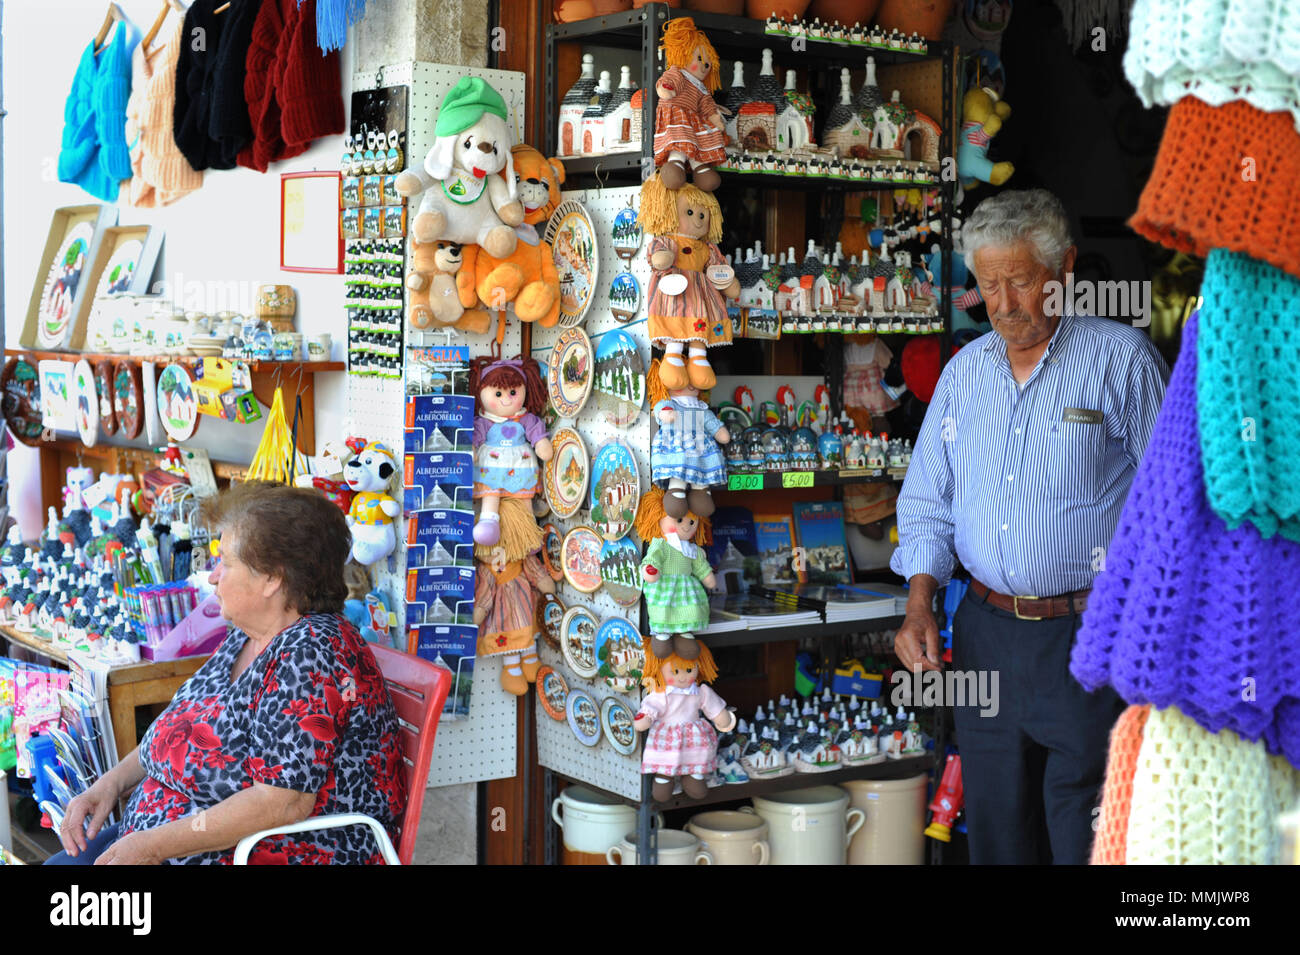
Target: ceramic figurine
(683, 716)
(685, 457)
(690, 283)
(675, 574)
(509, 437)
(573, 106)
(689, 124)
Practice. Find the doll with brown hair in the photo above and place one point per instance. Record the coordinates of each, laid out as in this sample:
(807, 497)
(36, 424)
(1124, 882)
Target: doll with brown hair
(685, 458)
(508, 576)
(684, 717)
(691, 276)
(674, 572)
(689, 124)
(508, 430)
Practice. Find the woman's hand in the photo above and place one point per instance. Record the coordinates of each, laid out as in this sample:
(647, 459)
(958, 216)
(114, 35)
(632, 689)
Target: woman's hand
(136, 848)
(96, 802)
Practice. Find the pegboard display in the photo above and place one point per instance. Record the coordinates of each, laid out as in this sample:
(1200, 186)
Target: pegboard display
(557, 746)
(481, 744)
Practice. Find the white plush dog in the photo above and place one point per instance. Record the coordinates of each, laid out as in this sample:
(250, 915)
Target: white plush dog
(464, 199)
(373, 510)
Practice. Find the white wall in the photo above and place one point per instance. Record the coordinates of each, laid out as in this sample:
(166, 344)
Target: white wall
(228, 231)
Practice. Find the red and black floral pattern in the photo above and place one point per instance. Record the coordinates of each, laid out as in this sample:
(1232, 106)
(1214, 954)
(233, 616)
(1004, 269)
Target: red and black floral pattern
(310, 714)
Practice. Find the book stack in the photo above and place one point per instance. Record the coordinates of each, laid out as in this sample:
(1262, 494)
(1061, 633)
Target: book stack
(837, 604)
(753, 612)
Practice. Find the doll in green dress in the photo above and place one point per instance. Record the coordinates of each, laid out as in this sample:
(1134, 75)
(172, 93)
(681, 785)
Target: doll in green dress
(675, 573)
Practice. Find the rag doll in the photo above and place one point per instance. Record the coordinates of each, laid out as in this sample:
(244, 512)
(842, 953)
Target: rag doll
(982, 115)
(509, 437)
(691, 276)
(684, 717)
(675, 573)
(507, 579)
(685, 457)
(689, 125)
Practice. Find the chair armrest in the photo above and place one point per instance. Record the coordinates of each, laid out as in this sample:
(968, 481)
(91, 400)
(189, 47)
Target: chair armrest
(314, 823)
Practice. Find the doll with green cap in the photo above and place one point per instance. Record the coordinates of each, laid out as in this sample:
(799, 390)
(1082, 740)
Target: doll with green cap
(468, 177)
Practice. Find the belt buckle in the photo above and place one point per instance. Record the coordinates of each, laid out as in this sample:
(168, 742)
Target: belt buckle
(1015, 607)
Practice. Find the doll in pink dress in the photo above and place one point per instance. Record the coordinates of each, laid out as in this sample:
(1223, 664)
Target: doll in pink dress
(689, 124)
(684, 717)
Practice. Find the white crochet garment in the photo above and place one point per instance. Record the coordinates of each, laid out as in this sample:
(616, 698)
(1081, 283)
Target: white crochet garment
(1204, 798)
(1217, 51)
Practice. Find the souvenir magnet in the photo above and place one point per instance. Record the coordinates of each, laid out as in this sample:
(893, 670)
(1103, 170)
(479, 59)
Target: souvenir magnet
(620, 378)
(552, 692)
(619, 573)
(177, 404)
(578, 641)
(615, 489)
(86, 402)
(620, 657)
(616, 720)
(584, 717)
(626, 234)
(552, 541)
(551, 612)
(581, 550)
(624, 297)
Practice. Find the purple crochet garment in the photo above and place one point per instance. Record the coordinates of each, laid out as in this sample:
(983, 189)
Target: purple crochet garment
(1186, 609)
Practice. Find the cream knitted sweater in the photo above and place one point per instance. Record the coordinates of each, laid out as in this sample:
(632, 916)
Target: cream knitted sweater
(161, 173)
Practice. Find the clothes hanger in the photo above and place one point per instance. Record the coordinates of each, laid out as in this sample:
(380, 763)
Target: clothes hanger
(167, 6)
(114, 15)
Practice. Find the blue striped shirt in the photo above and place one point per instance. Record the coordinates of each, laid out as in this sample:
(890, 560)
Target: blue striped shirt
(1024, 485)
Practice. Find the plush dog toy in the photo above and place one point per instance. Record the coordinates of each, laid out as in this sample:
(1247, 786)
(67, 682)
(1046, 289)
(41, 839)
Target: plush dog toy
(441, 287)
(371, 516)
(982, 115)
(527, 277)
(464, 200)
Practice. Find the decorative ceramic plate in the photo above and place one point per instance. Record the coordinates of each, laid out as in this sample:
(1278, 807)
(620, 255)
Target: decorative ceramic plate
(177, 405)
(616, 720)
(734, 418)
(550, 615)
(67, 269)
(120, 269)
(56, 394)
(615, 490)
(626, 234)
(620, 571)
(578, 641)
(569, 372)
(20, 384)
(584, 717)
(582, 559)
(620, 659)
(620, 378)
(552, 543)
(87, 403)
(104, 390)
(624, 297)
(552, 692)
(565, 478)
(577, 260)
(128, 398)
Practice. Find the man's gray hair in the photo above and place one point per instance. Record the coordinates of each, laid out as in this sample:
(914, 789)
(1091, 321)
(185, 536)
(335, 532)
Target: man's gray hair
(1030, 215)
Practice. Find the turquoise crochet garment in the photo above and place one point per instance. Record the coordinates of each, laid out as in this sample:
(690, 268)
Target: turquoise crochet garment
(1217, 51)
(94, 153)
(1248, 393)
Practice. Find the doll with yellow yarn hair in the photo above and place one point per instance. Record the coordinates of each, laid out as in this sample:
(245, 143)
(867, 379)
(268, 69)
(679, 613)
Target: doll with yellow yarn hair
(674, 574)
(508, 576)
(689, 124)
(683, 717)
(691, 276)
(685, 457)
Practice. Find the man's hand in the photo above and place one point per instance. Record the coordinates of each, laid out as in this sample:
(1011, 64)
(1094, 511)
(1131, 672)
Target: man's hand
(917, 640)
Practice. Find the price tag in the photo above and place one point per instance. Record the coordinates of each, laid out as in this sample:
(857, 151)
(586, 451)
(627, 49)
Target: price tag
(745, 482)
(797, 479)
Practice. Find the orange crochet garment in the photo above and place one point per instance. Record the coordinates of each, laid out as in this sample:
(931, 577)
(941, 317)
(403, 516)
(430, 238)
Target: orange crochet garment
(1225, 178)
(1117, 794)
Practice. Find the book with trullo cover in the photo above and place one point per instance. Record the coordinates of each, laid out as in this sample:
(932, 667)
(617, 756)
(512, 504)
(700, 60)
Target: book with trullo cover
(774, 534)
(824, 549)
(733, 555)
(452, 646)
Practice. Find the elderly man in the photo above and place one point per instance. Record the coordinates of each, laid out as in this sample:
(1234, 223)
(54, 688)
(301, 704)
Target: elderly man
(1020, 471)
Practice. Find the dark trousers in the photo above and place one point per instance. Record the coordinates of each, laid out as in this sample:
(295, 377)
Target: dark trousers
(94, 848)
(1032, 773)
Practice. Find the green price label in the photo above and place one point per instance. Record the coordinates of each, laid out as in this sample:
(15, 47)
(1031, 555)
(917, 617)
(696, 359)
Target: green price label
(745, 482)
(797, 479)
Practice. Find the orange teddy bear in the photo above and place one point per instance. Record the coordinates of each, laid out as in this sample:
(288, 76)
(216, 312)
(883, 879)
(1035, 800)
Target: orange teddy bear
(527, 277)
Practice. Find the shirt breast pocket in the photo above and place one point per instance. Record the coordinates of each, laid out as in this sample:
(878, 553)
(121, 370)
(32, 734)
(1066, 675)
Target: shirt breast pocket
(1077, 461)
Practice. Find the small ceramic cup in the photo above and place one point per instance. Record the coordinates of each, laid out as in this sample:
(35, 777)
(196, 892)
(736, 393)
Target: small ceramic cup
(318, 347)
(675, 848)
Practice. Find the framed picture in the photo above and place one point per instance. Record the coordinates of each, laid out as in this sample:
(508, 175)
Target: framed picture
(310, 237)
(63, 287)
(124, 263)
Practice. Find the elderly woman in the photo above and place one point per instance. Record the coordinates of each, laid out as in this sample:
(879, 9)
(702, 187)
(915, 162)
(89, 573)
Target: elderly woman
(289, 718)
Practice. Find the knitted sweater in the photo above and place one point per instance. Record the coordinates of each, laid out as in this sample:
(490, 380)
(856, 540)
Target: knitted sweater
(1187, 612)
(202, 69)
(162, 173)
(1217, 51)
(1225, 178)
(1205, 799)
(1248, 393)
(1117, 794)
(94, 152)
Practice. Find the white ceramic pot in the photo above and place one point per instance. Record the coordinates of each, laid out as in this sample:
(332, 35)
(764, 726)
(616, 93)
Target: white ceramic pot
(734, 838)
(809, 826)
(593, 821)
(675, 848)
(893, 832)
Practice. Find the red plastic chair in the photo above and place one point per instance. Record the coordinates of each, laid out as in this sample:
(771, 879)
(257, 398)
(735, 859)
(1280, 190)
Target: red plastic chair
(419, 690)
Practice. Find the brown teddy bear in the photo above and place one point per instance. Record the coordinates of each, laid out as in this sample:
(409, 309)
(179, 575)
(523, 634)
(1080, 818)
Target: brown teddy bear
(441, 290)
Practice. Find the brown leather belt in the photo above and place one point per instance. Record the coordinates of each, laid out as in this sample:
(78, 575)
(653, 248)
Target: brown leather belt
(1032, 608)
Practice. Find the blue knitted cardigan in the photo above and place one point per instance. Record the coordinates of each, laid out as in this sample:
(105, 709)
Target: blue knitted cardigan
(1188, 613)
(94, 154)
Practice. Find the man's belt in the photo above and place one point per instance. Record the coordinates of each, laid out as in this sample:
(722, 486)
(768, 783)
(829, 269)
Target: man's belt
(1032, 608)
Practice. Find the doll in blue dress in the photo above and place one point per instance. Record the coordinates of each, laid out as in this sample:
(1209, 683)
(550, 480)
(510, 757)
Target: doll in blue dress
(686, 456)
(509, 437)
